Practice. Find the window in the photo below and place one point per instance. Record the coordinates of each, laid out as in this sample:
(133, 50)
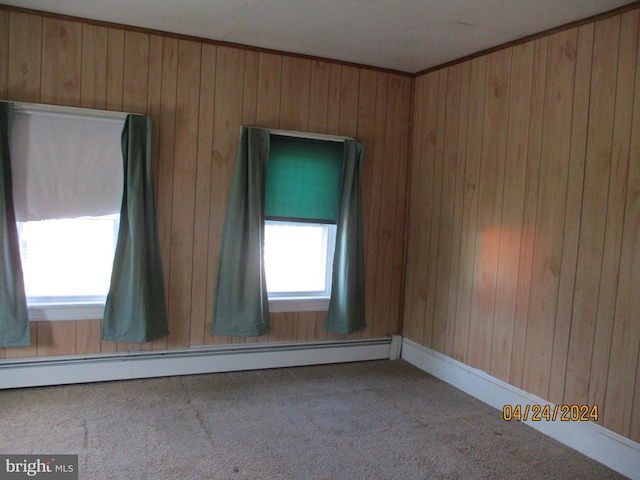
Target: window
(298, 262)
(68, 180)
(67, 266)
(301, 205)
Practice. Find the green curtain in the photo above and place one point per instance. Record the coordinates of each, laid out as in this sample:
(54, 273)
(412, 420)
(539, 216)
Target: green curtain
(346, 307)
(241, 306)
(135, 310)
(14, 319)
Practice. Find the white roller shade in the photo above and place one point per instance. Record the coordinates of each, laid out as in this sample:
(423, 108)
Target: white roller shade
(65, 165)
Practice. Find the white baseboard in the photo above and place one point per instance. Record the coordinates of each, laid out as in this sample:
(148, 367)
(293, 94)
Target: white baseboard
(590, 439)
(209, 359)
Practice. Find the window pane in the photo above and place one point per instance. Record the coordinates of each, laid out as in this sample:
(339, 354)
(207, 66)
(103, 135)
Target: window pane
(68, 257)
(296, 257)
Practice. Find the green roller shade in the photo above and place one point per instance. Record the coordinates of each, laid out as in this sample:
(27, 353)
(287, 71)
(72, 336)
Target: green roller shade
(303, 179)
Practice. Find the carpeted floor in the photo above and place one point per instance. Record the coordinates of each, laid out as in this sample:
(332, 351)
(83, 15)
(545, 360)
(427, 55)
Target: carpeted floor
(369, 420)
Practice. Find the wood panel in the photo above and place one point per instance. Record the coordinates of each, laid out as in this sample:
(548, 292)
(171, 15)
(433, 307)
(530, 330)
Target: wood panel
(25, 53)
(366, 133)
(622, 397)
(511, 230)
(294, 98)
(458, 206)
(450, 166)
(373, 167)
(388, 210)
(417, 230)
(200, 299)
(4, 54)
(547, 252)
(4, 75)
(403, 145)
(572, 214)
(93, 88)
(547, 249)
(61, 61)
(614, 228)
(56, 338)
(115, 68)
(534, 157)
(470, 207)
(318, 96)
(490, 193)
(594, 208)
(436, 201)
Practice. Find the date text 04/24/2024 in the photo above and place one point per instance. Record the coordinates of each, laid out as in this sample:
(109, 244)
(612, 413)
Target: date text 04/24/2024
(538, 413)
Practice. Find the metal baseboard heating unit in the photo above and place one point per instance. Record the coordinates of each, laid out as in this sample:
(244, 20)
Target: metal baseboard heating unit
(196, 360)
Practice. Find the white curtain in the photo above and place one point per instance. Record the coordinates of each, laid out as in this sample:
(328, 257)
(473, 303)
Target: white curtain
(57, 178)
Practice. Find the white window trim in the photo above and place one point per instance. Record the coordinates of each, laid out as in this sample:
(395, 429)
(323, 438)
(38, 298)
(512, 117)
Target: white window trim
(298, 304)
(65, 308)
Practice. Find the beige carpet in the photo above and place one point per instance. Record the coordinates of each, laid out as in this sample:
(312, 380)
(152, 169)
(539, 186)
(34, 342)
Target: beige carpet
(370, 420)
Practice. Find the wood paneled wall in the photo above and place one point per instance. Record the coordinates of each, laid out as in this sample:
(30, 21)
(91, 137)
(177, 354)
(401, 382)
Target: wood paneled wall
(198, 94)
(524, 221)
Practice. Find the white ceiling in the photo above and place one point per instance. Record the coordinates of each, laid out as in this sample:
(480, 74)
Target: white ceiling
(406, 35)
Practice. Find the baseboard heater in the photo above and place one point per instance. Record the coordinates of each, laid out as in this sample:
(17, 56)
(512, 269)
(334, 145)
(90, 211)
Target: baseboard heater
(196, 360)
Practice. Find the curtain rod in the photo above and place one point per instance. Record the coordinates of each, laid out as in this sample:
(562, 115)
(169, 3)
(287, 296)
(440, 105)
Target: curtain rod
(71, 111)
(311, 136)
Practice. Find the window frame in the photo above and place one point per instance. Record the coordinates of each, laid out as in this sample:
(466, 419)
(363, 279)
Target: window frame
(306, 303)
(67, 307)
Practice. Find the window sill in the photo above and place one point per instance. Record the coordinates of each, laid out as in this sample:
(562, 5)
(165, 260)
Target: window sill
(65, 311)
(298, 304)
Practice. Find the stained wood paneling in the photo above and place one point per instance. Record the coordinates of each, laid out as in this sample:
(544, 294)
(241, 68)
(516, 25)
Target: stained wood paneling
(546, 255)
(25, 53)
(294, 96)
(534, 157)
(198, 95)
(88, 336)
(93, 87)
(512, 209)
(615, 220)
(594, 208)
(318, 96)
(61, 58)
(56, 338)
(115, 68)
(470, 207)
(458, 205)
(200, 300)
(183, 199)
(4, 53)
(366, 133)
(388, 210)
(622, 392)
(136, 72)
(572, 214)
(373, 173)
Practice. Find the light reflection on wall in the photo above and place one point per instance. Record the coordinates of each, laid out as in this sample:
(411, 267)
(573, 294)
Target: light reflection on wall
(498, 267)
